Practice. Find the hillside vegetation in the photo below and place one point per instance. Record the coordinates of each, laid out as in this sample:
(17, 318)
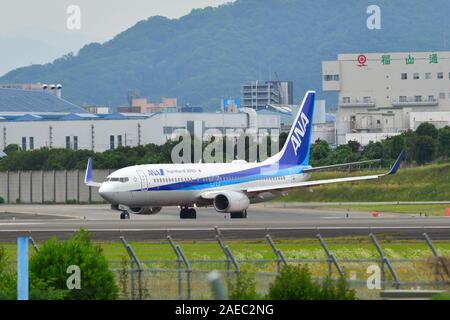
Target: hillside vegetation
(425, 183)
(208, 53)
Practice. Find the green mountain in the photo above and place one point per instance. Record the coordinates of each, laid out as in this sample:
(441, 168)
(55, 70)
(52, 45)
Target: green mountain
(207, 54)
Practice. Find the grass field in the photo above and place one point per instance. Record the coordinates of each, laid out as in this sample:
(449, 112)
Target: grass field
(160, 277)
(428, 209)
(298, 249)
(426, 183)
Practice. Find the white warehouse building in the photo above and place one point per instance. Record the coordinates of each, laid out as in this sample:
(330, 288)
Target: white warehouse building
(384, 94)
(35, 119)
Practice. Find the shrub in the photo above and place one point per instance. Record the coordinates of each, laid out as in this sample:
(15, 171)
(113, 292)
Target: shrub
(296, 283)
(245, 286)
(48, 269)
(7, 278)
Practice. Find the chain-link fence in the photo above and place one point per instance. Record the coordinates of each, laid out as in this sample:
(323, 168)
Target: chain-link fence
(182, 278)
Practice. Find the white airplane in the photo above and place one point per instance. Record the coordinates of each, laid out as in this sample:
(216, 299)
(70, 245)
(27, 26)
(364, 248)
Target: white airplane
(228, 187)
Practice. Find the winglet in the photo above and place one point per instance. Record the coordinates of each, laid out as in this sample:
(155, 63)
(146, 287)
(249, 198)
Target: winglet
(397, 163)
(88, 174)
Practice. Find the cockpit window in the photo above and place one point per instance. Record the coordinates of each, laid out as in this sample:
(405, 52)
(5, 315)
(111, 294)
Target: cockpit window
(117, 179)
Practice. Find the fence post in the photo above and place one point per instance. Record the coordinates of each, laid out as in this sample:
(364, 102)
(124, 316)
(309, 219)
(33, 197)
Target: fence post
(280, 256)
(188, 270)
(431, 245)
(134, 260)
(22, 268)
(331, 258)
(179, 262)
(436, 255)
(229, 258)
(214, 279)
(385, 260)
(33, 243)
(180, 254)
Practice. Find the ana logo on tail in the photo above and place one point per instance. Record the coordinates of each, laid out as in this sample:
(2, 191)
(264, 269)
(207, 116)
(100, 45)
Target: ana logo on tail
(299, 132)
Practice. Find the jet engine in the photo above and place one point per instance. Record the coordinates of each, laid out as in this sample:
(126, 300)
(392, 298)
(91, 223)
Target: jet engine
(231, 201)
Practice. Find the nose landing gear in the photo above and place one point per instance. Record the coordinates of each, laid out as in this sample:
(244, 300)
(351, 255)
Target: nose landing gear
(188, 213)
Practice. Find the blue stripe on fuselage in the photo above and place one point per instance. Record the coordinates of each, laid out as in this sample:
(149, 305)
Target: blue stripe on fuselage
(238, 177)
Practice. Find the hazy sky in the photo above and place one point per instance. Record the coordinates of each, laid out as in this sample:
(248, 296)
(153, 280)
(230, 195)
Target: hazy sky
(36, 32)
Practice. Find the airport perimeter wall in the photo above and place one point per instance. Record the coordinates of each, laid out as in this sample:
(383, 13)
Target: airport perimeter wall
(62, 186)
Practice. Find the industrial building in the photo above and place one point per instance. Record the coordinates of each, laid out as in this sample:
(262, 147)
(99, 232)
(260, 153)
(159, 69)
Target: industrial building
(40, 118)
(141, 105)
(258, 95)
(384, 94)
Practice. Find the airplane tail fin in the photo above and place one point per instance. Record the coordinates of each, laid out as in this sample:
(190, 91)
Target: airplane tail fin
(298, 144)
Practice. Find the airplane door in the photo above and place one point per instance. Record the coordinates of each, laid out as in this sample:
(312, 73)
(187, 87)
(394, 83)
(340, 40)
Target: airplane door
(143, 178)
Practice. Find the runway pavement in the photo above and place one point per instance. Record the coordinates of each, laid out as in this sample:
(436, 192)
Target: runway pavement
(302, 221)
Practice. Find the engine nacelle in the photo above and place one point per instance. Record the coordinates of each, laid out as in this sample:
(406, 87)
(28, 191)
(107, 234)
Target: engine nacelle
(231, 201)
(144, 210)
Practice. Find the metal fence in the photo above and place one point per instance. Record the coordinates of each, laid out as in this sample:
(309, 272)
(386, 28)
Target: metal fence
(183, 278)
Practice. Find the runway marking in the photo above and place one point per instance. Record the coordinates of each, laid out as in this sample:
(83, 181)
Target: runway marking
(232, 229)
(19, 223)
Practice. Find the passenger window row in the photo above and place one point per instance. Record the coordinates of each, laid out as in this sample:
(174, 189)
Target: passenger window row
(117, 180)
(211, 179)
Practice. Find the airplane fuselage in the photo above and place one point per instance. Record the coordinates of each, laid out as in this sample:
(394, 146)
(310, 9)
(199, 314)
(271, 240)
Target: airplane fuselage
(182, 184)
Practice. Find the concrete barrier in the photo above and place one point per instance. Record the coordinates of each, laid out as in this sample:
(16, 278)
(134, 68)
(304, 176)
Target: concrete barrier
(64, 186)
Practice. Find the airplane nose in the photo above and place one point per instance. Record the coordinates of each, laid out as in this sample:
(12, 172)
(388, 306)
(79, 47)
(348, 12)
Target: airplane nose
(106, 193)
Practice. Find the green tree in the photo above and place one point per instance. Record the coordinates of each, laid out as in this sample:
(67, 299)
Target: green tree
(49, 268)
(342, 154)
(320, 151)
(424, 150)
(394, 145)
(444, 141)
(11, 148)
(374, 150)
(355, 146)
(427, 129)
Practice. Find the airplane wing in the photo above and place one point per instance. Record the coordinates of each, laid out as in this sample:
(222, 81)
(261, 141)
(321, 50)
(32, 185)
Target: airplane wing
(334, 166)
(296, 185)
(88, 176)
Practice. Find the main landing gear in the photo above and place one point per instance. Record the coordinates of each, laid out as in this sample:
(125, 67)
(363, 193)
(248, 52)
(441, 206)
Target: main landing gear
(188, 213)
(239, 215)
(124, 215)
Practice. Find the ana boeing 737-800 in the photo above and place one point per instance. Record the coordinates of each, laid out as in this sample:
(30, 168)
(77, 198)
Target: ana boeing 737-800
(228, 187)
